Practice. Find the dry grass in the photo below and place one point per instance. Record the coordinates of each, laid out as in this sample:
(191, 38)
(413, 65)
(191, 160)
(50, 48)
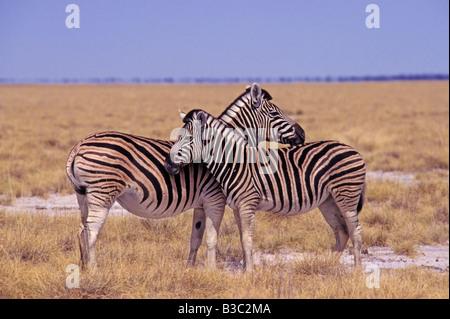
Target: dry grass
(147, 260)
(403, 217)
(395, 125)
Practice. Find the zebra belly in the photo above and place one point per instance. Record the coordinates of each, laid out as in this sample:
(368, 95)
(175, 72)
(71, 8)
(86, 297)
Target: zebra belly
(289, 209)
(131, 201)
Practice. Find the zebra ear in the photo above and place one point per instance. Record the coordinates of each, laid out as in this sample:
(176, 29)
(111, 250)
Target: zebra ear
(182, 114)
(202, 116)
(256, 95)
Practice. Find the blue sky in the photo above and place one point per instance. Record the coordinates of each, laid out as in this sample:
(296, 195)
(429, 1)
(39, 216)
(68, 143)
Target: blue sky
(191, 39)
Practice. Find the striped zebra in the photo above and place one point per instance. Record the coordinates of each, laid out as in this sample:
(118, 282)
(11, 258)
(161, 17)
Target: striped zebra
(112, 166)
(326, 174)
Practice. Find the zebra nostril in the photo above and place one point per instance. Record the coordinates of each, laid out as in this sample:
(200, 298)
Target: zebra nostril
(300, 139)
(171, 167)
(174, 169)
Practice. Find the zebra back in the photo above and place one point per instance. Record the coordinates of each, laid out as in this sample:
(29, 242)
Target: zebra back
(306, 175)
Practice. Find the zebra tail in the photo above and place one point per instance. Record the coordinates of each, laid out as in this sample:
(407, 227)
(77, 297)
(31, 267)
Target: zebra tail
(361, 199)
(80, 189)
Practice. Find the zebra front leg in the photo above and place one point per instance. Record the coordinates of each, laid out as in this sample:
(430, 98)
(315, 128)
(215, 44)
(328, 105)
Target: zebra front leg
(355, 231)
(247, 229)
(237, 218)
(198, 228)
(214, 213)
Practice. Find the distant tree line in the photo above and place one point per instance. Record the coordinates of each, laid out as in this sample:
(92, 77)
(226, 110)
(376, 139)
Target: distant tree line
(226, 80)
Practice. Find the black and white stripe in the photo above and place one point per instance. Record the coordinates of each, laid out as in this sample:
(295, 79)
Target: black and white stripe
(326, 174)
(109, 166)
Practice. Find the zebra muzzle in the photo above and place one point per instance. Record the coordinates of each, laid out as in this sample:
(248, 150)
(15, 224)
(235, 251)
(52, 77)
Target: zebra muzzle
(171, 167)
(300, 136)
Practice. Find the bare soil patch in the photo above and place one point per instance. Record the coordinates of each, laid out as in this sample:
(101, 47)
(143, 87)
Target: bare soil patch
(434, 257)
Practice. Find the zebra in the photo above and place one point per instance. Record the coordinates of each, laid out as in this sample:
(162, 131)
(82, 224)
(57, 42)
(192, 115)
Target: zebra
(325, 174)
(112, 166)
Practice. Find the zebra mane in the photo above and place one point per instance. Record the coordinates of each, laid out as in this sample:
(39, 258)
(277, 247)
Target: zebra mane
(190, 115)
(242, 101)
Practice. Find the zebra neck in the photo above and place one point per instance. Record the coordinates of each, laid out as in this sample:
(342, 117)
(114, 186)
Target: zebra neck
(233, 114)
(225, 151)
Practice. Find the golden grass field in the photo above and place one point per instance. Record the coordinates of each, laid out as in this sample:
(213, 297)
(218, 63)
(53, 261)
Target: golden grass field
(396, 126)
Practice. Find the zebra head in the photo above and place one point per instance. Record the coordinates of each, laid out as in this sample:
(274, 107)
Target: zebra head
(254, 112)
(188, 147)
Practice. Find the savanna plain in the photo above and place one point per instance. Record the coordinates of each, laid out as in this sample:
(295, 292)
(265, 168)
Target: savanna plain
(400, 127)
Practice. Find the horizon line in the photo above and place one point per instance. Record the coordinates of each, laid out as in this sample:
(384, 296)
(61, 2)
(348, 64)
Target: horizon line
(228, 80)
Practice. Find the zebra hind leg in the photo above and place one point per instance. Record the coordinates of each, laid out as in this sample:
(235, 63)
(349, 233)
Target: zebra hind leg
(348, 200)
(355, 231)
(334, 218)
(93, 215)
(82, 237)
(198, 228)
